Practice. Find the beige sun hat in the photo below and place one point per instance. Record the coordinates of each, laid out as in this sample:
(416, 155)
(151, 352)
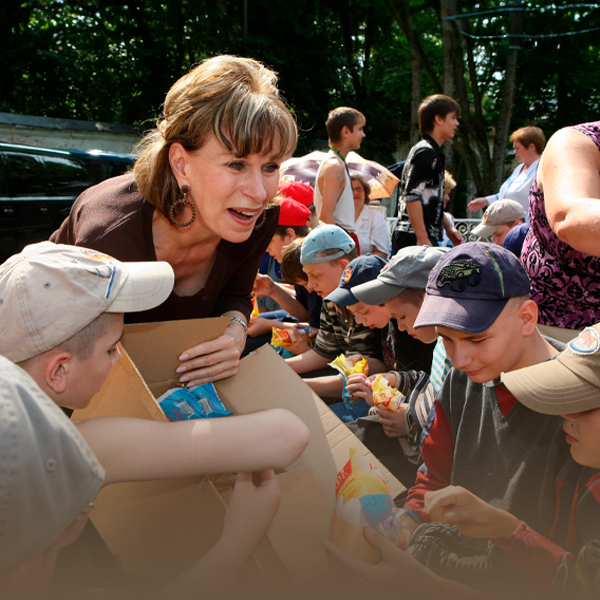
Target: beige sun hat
(49, 292)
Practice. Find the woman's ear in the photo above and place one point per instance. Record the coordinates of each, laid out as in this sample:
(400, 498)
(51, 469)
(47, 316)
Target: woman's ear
(58, 370)
(178, 160)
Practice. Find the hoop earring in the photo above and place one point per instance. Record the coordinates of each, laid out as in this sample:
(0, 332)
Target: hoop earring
(261, 221)
(180, 204)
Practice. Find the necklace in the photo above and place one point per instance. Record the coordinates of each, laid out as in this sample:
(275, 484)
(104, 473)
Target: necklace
(341, 158)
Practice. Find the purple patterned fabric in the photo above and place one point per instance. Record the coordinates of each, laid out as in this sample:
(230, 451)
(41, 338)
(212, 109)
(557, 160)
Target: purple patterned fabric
(565, 283)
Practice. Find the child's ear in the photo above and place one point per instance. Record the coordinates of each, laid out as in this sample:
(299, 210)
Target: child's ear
(58, 370)
(528, 312)
(290, 235)
(344, 262)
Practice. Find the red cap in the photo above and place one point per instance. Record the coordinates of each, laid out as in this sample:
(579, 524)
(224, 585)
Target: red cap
(292, 213)
(301, 192)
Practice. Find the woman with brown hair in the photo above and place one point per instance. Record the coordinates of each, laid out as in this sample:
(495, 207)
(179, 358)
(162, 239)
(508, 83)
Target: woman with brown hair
(201, 197)
(528, 144)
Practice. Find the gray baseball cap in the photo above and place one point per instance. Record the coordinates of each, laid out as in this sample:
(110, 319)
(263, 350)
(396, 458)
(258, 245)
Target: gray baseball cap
(49, 474)
(49, 292)
(409, 268)
(499, 213)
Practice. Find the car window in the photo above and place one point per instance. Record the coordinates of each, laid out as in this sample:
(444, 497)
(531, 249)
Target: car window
(65, 177)
(26, 174)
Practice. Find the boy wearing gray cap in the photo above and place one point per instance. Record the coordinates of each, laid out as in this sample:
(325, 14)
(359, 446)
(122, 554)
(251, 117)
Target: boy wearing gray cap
(325, 255)
(397, 293)
(61, 317)
(499, 219)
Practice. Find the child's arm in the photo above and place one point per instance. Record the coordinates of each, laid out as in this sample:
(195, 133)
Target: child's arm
(284, 296)
(327, 386)
(139, 450)
(250, 512)
(309, 361)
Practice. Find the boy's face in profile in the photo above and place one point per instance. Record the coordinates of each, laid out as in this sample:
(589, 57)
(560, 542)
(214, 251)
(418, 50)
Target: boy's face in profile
(583, 434)
(324, 277)
(405, 314)
(278, 244)
(484, 356)
(375, 317)
(87, 376)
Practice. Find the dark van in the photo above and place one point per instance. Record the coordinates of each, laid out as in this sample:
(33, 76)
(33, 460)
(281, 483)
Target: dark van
(38, 187)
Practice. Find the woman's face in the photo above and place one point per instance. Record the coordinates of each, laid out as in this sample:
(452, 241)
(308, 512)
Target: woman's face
(358, 192)
(229, 192)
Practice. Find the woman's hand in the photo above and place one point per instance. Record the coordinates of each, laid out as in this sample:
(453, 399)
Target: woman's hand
(210, 361)
(360, 386)
(393, 422)
(472, 516)
(252, 507)
(477, 203)
(396, 571)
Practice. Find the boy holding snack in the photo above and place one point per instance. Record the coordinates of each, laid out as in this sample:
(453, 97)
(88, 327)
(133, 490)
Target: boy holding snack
(325, 254)
(568, 562)
(61, 316)
(478, 300)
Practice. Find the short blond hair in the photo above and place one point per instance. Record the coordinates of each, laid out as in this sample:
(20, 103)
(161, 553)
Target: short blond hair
(236, 100)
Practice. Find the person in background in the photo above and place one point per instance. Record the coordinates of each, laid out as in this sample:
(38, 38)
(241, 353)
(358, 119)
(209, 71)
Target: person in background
(528, 144)
(333, 188)
(452, 237)
(371, 227)
(303, 193)
(198, 198)
(561, 252)
(421, 203)
(499, 219)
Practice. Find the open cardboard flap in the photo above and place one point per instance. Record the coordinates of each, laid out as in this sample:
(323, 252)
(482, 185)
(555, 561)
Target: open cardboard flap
(159, 528)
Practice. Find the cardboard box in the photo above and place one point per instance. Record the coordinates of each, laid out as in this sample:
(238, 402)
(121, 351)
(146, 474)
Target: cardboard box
(158, 529)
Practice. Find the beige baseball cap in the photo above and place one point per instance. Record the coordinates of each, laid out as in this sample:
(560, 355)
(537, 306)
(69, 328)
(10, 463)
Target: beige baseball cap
(49, 473)
(499, 213)
(568, 384)
(49, 292)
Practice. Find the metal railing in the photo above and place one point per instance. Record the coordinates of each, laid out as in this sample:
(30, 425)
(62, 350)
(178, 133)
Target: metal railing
(465, 226)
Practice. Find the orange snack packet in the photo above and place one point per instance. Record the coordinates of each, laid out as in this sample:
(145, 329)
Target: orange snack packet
(255, 312)
(288, 337)
(385, 395)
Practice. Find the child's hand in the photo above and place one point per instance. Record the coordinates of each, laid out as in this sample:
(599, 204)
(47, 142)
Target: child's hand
(299, 346)
(472, 516)
(263, 286)
(259, 326)
(251, 508)
(393, 422)
(396, 570)
(359, 386)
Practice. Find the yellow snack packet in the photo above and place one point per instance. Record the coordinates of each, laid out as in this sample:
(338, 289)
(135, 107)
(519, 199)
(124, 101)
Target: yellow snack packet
(385, 395)
(255, 312)
(362, 499)
(348, 367)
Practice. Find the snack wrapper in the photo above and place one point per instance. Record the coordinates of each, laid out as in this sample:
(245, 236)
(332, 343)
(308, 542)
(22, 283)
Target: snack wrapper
(385, 395)
(346, 368)
(362, 499)
(288, 337)
(201, 402)
(255, 312)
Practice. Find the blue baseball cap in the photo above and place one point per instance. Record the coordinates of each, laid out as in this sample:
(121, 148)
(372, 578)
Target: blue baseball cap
(360, 270)
(325, 237)
(470, 286)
